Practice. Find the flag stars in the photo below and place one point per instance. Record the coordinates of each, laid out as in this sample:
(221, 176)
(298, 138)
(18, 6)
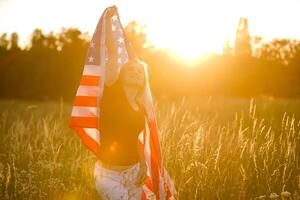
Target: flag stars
(121, 61)
(91, 59)
(120, 40)
(92, 45)
(120, 50)
(114, 18)
(113, 28)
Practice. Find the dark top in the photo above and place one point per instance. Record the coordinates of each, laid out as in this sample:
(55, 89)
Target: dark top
(119, 127)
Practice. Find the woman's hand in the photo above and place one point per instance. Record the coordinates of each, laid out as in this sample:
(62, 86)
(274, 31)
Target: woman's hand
(142, 175)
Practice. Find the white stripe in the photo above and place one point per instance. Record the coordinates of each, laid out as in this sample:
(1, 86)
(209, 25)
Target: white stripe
(91, 70)
(147, 151)
(162, 191)
(84, 111)
(84, 90)
(169, 181)
(149, 193)
(141, 137)
(93, 133)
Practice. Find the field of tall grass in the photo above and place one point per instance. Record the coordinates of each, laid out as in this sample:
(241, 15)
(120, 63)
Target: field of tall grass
(214, 148)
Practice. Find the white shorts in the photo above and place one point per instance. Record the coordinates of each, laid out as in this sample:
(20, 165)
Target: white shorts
(115, 185)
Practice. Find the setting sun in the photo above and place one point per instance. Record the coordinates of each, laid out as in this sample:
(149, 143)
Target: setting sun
(190, 30)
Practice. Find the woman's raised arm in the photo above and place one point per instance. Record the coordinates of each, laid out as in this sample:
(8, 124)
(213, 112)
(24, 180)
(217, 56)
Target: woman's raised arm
(111, 73)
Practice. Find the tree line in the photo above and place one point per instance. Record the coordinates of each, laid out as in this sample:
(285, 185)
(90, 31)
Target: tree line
(50, 66)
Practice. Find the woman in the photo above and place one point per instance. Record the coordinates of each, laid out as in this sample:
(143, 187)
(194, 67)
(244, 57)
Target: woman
(112, 128)
(121, 165)
(121, 169)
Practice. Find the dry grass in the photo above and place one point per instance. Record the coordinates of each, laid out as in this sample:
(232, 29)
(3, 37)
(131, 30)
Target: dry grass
(213, 149)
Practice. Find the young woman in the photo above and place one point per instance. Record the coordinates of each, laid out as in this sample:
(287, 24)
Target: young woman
(121, 169)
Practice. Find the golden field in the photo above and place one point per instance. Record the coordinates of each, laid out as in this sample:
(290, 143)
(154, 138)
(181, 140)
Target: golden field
(214, 148)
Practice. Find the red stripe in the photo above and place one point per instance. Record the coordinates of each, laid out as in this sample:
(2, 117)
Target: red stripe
(155, 140)
(90, 143)
(154, 171)
(155, 156)
(144, 197)
(167, 188)
(89, 80)
(168, 184)
(153, 159)
(85, 101)
(149, 185)
(86, 122)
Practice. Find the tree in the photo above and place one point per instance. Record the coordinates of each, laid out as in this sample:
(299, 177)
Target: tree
(3, 42)
(37, 40)
(14, 41)
(137, 37)
(227, 50)
(242, 40)
(281, 50)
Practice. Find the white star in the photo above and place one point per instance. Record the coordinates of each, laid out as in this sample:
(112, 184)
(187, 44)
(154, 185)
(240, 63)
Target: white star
(91, 59)
(119, 50)
(113, 27)
(120, 40)
(119, 60)
(114, 18)
(92, 45)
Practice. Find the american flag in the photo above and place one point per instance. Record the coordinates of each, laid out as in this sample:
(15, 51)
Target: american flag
(85, 111)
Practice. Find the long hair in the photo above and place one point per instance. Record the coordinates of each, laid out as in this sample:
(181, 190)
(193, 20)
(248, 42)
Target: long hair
(141, 95)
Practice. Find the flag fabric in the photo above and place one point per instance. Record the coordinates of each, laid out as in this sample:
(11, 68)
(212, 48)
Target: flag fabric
(86, 112)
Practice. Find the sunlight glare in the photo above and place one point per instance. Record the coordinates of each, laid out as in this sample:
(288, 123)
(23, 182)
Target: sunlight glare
(189, 28)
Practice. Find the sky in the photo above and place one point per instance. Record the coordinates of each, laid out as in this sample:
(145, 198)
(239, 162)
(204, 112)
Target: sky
(189, 28)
